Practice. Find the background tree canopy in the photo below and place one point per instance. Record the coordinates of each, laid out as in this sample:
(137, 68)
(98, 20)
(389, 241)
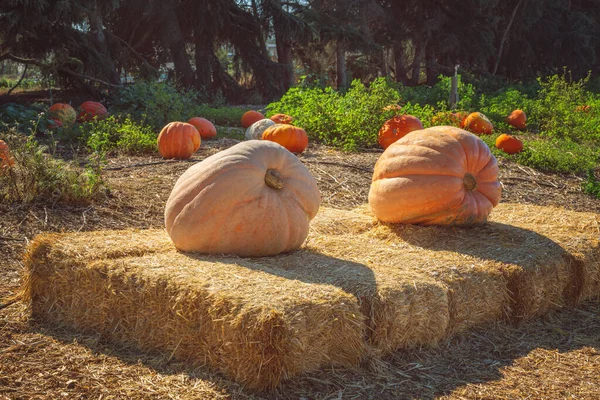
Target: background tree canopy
(258, 49)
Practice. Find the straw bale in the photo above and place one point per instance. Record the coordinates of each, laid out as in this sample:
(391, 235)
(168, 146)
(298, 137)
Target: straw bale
(356, 287)
(251, 324)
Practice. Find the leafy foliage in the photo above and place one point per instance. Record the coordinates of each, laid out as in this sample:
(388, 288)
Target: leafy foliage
(118, 135)
(38, 176)
(26, 119)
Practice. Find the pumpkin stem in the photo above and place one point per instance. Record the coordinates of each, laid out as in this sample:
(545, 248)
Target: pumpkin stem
(470, 182)
(273, 179)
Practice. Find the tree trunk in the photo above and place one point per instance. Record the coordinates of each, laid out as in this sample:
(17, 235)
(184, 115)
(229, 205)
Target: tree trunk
(431, 66)
(340, 57)
(173, 37)
(505, 36)
(204, 53)
(399, 63)
(99, 37)
(283, 41)
(418, 60)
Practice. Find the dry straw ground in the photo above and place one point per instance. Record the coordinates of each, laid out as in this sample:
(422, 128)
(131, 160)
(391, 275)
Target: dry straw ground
(554, 356)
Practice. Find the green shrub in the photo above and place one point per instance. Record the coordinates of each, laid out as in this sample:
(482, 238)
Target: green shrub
(155, 103)
(38, 176)
(25, 119)
(113, 135)
(592, 184)
(224, 116)
(349, 120)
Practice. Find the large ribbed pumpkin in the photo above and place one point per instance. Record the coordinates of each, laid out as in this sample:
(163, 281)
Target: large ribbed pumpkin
(291, 137)
(251, 117)
(256, 130)
(6, 159)
(441, 175)
(63, 112)
(206, 128)
(178, 140)
(396, 127)
(253, 199)
(88, 110)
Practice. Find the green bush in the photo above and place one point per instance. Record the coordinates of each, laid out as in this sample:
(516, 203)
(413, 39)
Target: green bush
(224, 116)
(38, 176)
(116, 135)
(25, 119)
(592, 184)
(349, 120)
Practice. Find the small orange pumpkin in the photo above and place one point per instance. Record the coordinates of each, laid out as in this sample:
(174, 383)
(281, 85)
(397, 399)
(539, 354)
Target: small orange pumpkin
(478, 123)
(458, 118)
(63, 112)
(518, 119)
(441, 175)
(291, 137)
(509, 144)
(206, 128)
(6, 159)
(281, 119)
(178, 140)
(90, 110)
(251, 117)
(253, 199)
(396, 128)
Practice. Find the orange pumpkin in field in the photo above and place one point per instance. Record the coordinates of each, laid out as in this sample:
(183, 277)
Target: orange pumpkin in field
(281, 119)
(518, 119)
(206, 128)
(63, 112)
(6, 159)
(396, 128)
(509, 144)
(291, 137)
(478, 123)
(178, 140)
(441, 175)
(90, 110)
(458, 118)
(251, 117)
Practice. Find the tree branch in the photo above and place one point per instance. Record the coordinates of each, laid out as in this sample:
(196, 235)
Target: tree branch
(505, 36)
(9, 56)
(18, 83)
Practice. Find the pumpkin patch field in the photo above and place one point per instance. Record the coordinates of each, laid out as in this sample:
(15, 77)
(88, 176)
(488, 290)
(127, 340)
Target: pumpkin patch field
(108, 307)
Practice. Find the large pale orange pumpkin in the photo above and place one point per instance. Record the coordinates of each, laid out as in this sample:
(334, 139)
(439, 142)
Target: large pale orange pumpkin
(396, 127)
(281, 119)
(441, 175)
(6, 159)
(478, 123)
(206, 128)
(509, 144)
(518, 119)
(63, 112)
(251, 117)
(253, 199)
(90, 110)
(178, 140)
(291, 137)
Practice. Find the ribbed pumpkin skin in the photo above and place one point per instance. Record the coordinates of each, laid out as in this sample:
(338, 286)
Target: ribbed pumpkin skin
(291, 137)
(281, 119)
(206, 128)
(178, 140)
(396, 127)
(509, 144)
(518, 119)
(90, 110)
(251, 117)
(478, 123)
(223, 205)
(6, 159)
(255, 131)
(63, 112)
(420, 179)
